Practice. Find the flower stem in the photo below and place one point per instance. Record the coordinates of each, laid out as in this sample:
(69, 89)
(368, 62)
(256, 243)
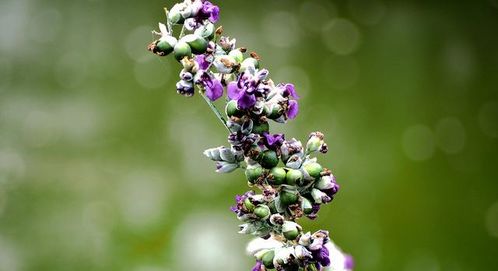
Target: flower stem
(215, 110)
(168, 23)
(182, 33)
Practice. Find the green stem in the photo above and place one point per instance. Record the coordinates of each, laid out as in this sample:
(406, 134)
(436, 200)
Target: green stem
(168, 23)
(182, 33)
(214, 109)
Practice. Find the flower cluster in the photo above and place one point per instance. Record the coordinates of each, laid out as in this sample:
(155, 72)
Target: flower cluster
(290, 181)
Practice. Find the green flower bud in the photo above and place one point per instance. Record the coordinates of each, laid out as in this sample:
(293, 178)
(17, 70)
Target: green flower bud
(290, 230)
(274, 112)
(268, 259)
(237, 55)
(182, 49)
(249, 62)
(262, 211)
(313, 145)
(165, 45)
(175, 14)
(313, 169)
(260, 128)
(306, 206)
(268, 159)
(288, 197)
(294, 177)
(197, 43)
(231, 109)
(278, 175)
(253, 173)
(206, 31)
(316, 143)
(248, 204)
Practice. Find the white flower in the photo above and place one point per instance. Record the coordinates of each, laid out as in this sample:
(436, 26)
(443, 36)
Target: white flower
(283, 256)
(259, 244)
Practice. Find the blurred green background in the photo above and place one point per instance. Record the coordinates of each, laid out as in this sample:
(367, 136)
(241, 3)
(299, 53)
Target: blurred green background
(101, 164)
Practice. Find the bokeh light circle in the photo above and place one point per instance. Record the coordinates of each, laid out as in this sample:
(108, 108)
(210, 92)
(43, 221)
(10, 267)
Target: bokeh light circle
(341, 36)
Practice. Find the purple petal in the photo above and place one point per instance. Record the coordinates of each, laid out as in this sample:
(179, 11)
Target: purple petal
(214, 89)
(293, 109)
(321, 256)
(257, 267)
(210, 12)
(291, 91)
(274, 141)
(215, 14)
(233, 91)
(246, 101)
(348, 262)
(203, 63)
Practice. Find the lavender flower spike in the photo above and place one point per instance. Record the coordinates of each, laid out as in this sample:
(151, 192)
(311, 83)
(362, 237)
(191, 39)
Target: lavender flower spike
(289, 184)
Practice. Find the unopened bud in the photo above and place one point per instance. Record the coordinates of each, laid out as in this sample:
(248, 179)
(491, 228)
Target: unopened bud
(313, 169)
(268, 159)
(319, 196)
(225, 167)
(261, 127)
(237, 55)
(315, 142)
(274, 111)
(231, 109)
(293, 177)
(165, 45)
(267, 259)
(197, 44)
(182, 49)
(249, 62)
(262, 211)
(175, 14)
(288, 197)
(290, 230)
(306, 206)
(253, 173)
(277, 176)
(206, 31)
(326, 182)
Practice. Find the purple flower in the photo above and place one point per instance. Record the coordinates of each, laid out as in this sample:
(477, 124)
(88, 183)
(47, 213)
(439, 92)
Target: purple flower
(274, 141)
(236, 92)
(213, 86)
(292, 109)
(321, 256)
(288, 90)
(332, 191)
(209, 11)
(239, 199)
(247, 88)
(258, 266)
(202, 61)
(315, 207)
